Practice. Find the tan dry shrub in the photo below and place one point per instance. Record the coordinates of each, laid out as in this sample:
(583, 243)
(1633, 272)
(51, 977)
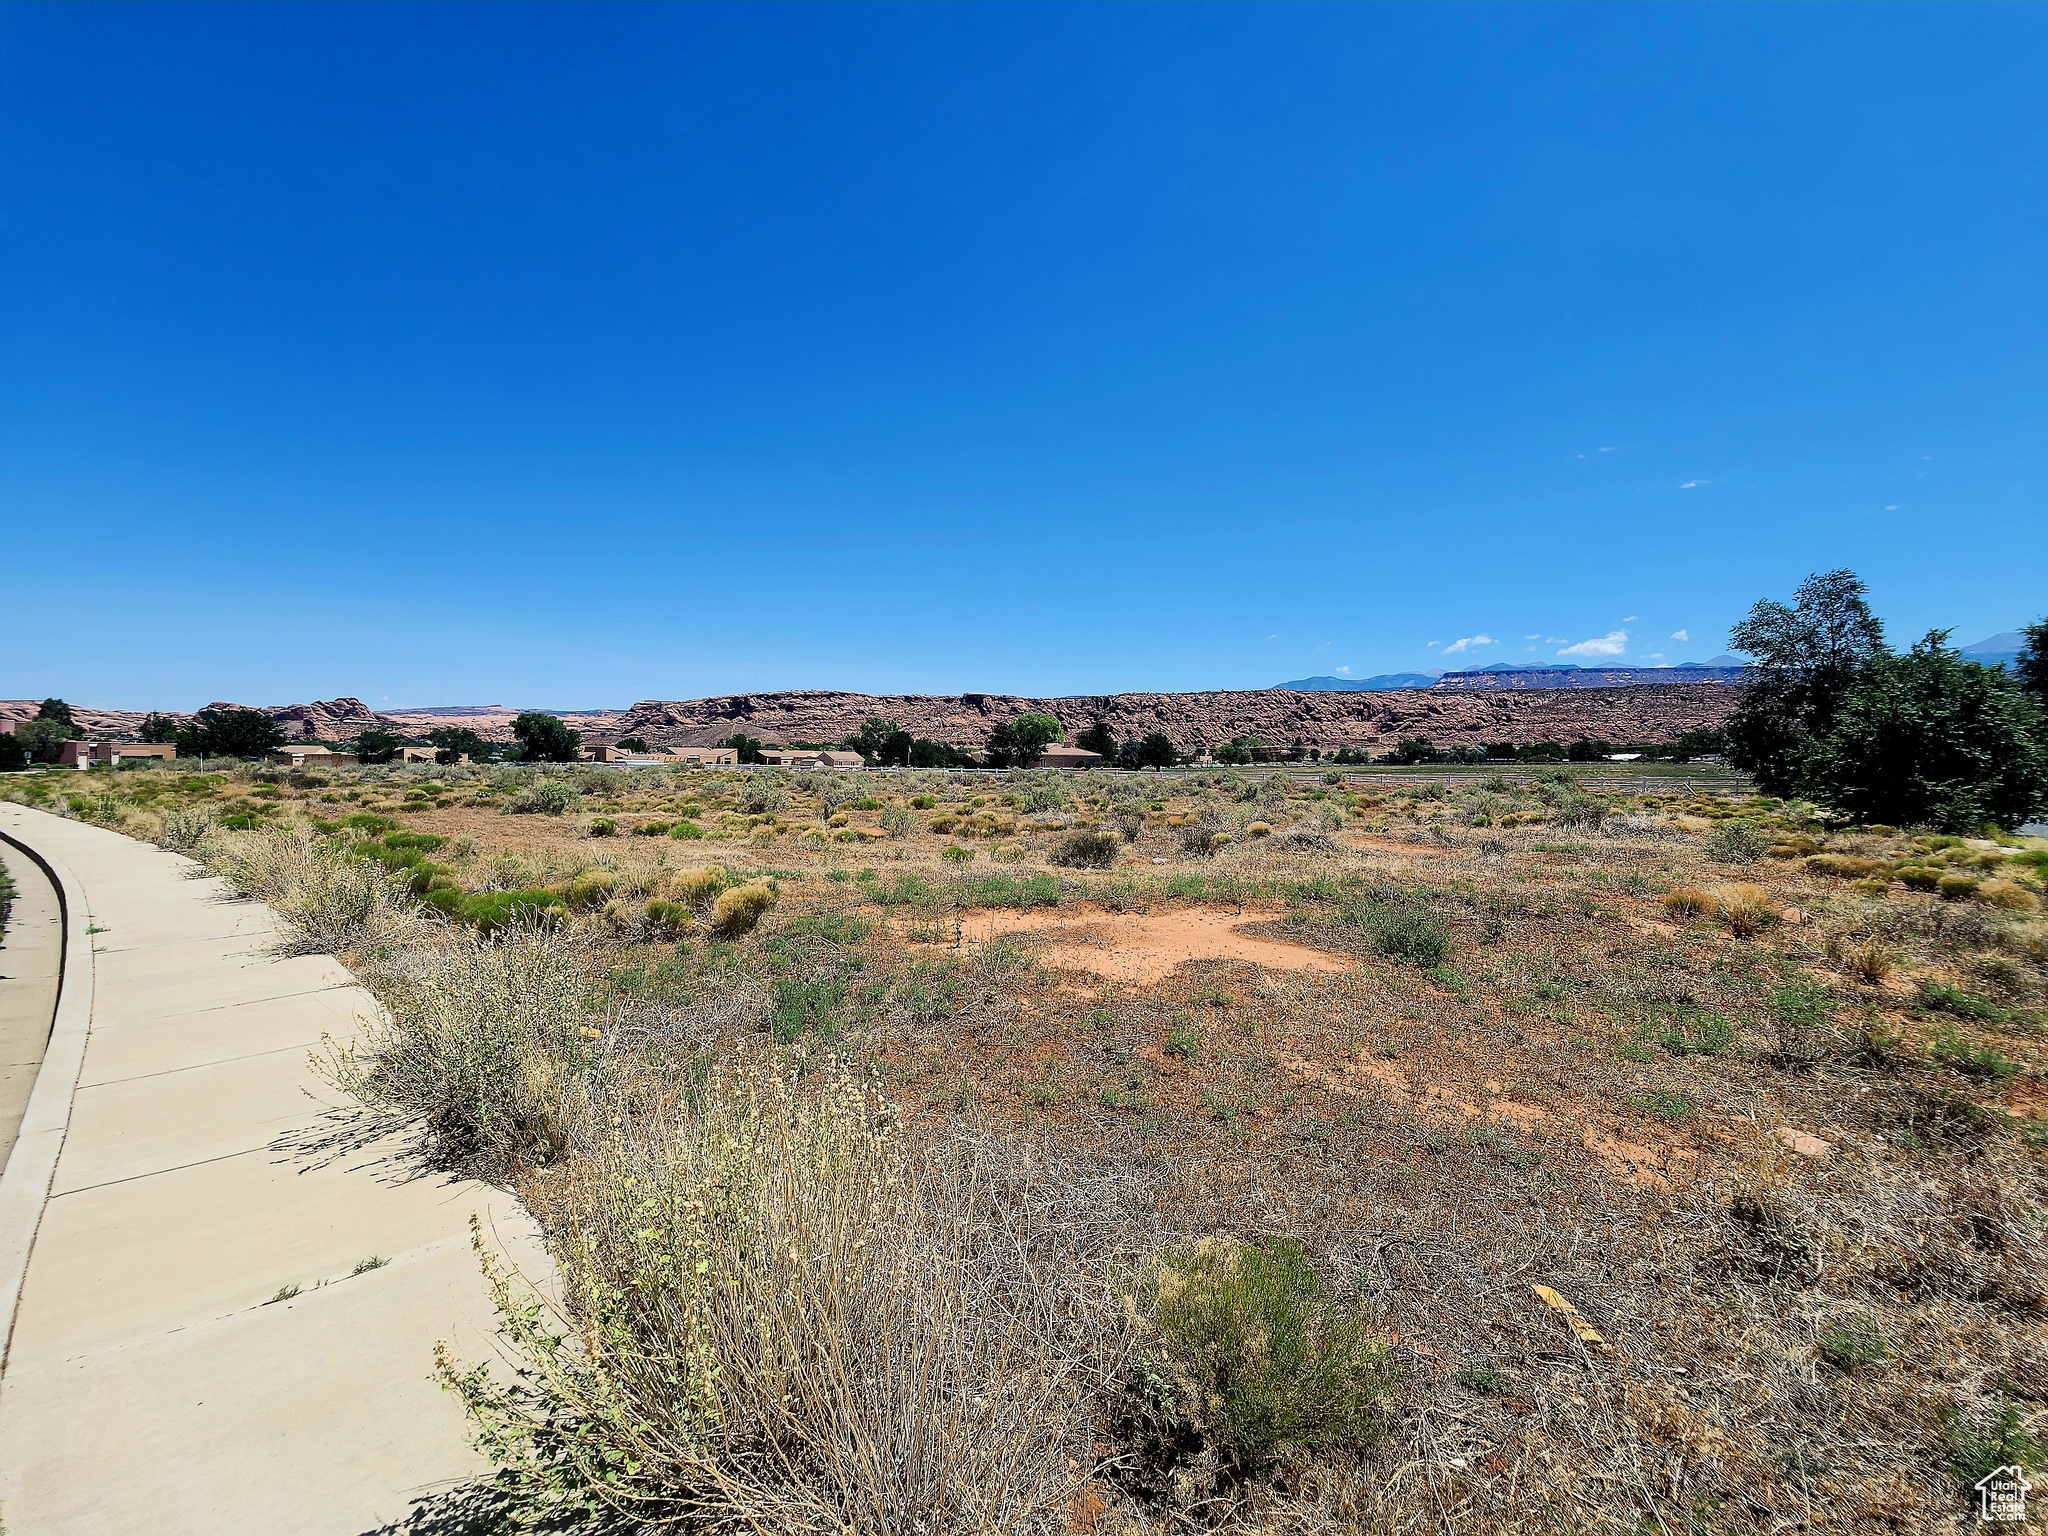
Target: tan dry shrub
(1841, 866)
(1746, 909)
(1259, 829)
(1870, 962)
(739, 909)
(592, 888)
(777, 1319)
(698, 888)
(486, 1041)
(1688, 901)
(332, 901)
(2008, 896)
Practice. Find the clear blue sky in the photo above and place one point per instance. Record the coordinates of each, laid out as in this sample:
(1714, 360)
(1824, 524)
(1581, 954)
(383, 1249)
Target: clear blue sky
(576, 355)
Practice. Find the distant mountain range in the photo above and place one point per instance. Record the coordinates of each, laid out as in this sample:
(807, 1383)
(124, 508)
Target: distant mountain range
(2005, 647)
(1508, 674)
(1385, 683)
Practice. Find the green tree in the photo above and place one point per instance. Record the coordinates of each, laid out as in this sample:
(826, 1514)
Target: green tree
(1701, 742)
(230, 731)
(748, 748)
(2032, 667)
(631, 744)
(43, 739)
(59, 711)
(545, 739)
(377, 746)
(455, 742)
(1412, 749)
(882, 742)
(1588, 750)
(13, 755)
(1805, 661)
(1100, 740)
(1933, 739)
(1020, 742)
(159, 728)
(1157, 751)
(926, 753)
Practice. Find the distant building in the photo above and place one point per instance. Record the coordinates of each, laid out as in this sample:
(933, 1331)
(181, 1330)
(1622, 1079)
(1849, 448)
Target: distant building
(784, 757)
(83, 754)
(426, 755)
(1624, 757)
(1059, 755)
(841, 760)
(313, 757)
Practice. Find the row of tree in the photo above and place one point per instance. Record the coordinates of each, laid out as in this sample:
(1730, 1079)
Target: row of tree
(1925, 737)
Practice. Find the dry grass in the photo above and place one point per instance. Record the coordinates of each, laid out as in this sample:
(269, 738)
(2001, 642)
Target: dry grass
(778, 1319)
(1579, 1094)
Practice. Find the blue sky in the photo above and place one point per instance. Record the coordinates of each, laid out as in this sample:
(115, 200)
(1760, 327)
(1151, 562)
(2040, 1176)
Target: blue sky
(578, 355)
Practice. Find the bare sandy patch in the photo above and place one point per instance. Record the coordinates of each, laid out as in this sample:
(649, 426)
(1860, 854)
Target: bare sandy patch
(1148, 946)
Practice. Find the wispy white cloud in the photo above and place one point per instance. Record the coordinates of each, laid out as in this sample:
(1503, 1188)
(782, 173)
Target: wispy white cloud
(1436, 642)
(1537, 636)
(1610, 450)
(1893, 507)
(1345, 669)
(1691, 484)
(1468, 642)
(1272, 637)
(1630, 619)
(1679, 634)
(1611, 644)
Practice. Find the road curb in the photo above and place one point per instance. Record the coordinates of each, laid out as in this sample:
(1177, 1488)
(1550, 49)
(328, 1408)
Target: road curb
(32, 1165)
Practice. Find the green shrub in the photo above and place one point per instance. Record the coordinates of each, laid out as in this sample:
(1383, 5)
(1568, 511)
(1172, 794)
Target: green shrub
(1853, 1342)
(1261, 1356)
(602, 826)
(1920, 878)
(670, 919)
(1085, 850)
(652, 829)
(1975, 1455)
(500, 911)
(956, 854)
(1956, 887)
(1404, 931)
(1736, 842)
(686, 832)
(867, 803)
(698, 888)
(549, 797)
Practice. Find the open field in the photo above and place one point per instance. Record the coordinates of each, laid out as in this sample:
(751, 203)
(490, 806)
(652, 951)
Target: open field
(1679, 1156)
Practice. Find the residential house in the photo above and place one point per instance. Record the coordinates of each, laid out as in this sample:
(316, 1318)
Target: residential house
(1059, 755)
(83, 754)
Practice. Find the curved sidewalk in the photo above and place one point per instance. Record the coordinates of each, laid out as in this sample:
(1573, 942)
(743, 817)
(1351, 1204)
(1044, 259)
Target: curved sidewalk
(151, 1382)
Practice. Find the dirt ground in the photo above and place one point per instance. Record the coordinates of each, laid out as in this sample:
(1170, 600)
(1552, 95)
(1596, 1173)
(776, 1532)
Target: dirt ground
(1732, 1137)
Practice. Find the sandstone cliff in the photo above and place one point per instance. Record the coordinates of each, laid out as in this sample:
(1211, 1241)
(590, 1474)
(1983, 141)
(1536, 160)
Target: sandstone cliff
(1279, 716)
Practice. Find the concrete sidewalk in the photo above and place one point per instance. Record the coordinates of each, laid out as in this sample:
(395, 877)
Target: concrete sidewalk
(154, 1381)
(31, 955)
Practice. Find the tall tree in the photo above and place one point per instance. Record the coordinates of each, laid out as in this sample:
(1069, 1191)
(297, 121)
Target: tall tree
(59, 711)
(156, 727)
(545, 739)
(230, 732)
(2032, 667)
(454, 742)
(1934, 739)
(1805, 661)
(1100, 740)
(1020, 742)
(377, 746)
